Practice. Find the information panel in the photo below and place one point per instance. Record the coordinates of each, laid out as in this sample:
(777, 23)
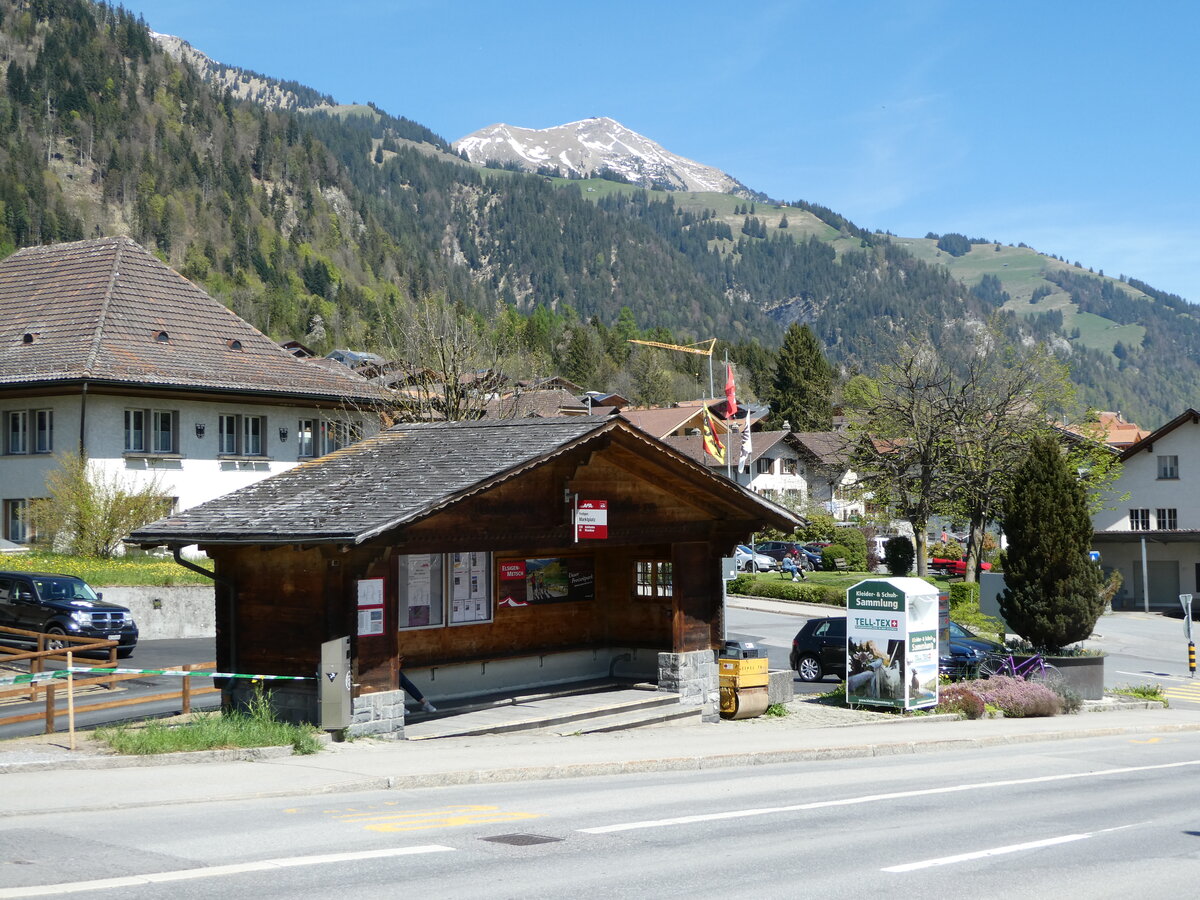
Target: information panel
(892, 643)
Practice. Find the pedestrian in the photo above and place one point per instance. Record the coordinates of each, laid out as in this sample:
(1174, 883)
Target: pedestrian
(789, 564)
(412, 690)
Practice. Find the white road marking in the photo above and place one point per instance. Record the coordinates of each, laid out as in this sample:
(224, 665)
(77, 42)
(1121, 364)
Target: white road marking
(264, 865)
(875, 798)
(981, 854)
(1000, 851)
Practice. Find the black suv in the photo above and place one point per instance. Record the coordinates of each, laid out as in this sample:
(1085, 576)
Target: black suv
(819, 649)
(62, 605)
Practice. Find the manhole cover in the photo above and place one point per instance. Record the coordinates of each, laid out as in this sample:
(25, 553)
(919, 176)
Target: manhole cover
(521, 840)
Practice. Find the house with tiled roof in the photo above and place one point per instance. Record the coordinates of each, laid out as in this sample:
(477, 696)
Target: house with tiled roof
(662, 422)
(1152, 535)
(105, 348)
(797, 469)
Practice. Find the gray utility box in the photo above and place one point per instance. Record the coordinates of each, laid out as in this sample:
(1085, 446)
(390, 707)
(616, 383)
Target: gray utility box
(334, 700)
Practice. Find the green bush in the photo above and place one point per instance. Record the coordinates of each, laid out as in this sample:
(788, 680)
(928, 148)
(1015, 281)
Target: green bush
(964, 592)
(898, 555)
(832, 552)
(855, 542)
(781, 589)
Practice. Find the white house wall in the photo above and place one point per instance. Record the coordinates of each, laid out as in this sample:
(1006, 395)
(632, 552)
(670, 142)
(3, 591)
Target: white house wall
(1171, 566)
(193, 476)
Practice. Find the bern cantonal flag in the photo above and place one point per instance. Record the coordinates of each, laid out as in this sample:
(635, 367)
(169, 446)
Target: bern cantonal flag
(731, 406)
(712, 444)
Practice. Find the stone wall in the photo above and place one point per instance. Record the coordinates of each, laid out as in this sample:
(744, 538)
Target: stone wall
(380, 714)
(692, 675)
(183, 611)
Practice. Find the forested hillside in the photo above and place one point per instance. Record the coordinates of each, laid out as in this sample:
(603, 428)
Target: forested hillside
(326, 226)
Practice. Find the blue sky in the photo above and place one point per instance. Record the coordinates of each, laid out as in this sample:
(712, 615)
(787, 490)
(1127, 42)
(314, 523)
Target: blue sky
(1071, 125)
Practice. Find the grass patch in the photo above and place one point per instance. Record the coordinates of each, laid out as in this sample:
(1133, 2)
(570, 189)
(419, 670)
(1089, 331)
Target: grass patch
(257, 727)
(824, 588)
(777, 711)
(127, 570)
(1142, 692)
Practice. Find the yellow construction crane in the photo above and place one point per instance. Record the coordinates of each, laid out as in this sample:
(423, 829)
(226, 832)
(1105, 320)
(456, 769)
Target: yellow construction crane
(700, 348)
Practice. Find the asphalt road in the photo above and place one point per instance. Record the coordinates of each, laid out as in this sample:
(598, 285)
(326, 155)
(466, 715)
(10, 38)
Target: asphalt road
(1105, 817)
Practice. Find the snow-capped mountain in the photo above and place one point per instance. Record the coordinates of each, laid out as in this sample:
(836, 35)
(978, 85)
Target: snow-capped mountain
(582, 148)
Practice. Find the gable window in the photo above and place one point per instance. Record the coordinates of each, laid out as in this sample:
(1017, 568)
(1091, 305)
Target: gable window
(240, 435)
(43, 431)
(788, 466)
(1168, 467)
(1139, 520)
(252, 435)
(14, 521)
(652, 578)
(1167, 519)
(151, 431)
(16, 430)
(306, 437)
(764, 465)
(135, 430)
(164, 431)
(334, 436)
(227, 434)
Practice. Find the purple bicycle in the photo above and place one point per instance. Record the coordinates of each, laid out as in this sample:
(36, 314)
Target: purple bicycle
(1033, 668)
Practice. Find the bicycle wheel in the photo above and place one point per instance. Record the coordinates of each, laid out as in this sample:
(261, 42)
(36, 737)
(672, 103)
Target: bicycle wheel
(993, 665)
(1043, 673)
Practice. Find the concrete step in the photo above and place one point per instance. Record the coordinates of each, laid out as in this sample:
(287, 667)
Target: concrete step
(536, 712)
(638, 718)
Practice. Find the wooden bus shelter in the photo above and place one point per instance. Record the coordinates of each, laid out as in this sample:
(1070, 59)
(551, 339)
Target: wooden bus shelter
(487, 556)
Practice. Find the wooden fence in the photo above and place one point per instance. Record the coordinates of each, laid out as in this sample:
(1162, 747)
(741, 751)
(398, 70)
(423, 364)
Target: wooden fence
(59, 696)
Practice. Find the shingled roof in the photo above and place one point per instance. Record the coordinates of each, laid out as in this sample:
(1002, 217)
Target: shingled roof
(108, 311)
(402, 475)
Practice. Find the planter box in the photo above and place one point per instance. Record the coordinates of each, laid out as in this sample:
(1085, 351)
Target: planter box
(1085, 674)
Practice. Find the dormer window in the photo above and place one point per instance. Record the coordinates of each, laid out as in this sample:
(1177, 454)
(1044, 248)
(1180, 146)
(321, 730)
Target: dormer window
(234, 344)
(162, 337)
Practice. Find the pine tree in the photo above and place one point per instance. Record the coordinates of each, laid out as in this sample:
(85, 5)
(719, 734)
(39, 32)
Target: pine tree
(1052, 595)
(803, 383)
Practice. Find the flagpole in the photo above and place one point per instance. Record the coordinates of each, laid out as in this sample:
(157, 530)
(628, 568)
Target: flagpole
(728, 460)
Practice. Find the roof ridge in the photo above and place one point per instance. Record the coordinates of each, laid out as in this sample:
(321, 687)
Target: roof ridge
(102, 316)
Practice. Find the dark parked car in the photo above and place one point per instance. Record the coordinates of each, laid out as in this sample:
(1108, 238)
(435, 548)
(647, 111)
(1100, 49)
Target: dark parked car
(967, 650)
(62, 605)
(777, 550)
(819, 649)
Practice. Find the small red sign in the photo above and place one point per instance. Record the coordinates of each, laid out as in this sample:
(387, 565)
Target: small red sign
(591, 519)
(512, 571)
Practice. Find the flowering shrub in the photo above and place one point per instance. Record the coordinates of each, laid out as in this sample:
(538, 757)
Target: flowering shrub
(1017, 698)
(960, 699)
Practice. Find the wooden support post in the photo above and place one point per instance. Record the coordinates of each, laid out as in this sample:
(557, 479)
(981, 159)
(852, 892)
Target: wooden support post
(71, 697)
(49, 709)
(185, 693)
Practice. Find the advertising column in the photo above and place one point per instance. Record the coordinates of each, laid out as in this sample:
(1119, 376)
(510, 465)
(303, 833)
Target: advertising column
(892, 643)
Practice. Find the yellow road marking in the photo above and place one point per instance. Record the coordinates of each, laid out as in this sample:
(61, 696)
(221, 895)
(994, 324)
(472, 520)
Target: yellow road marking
(1147, 741)
(384, 817)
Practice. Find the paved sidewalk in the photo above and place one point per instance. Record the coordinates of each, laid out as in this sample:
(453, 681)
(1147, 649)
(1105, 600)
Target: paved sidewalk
(43, 777)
